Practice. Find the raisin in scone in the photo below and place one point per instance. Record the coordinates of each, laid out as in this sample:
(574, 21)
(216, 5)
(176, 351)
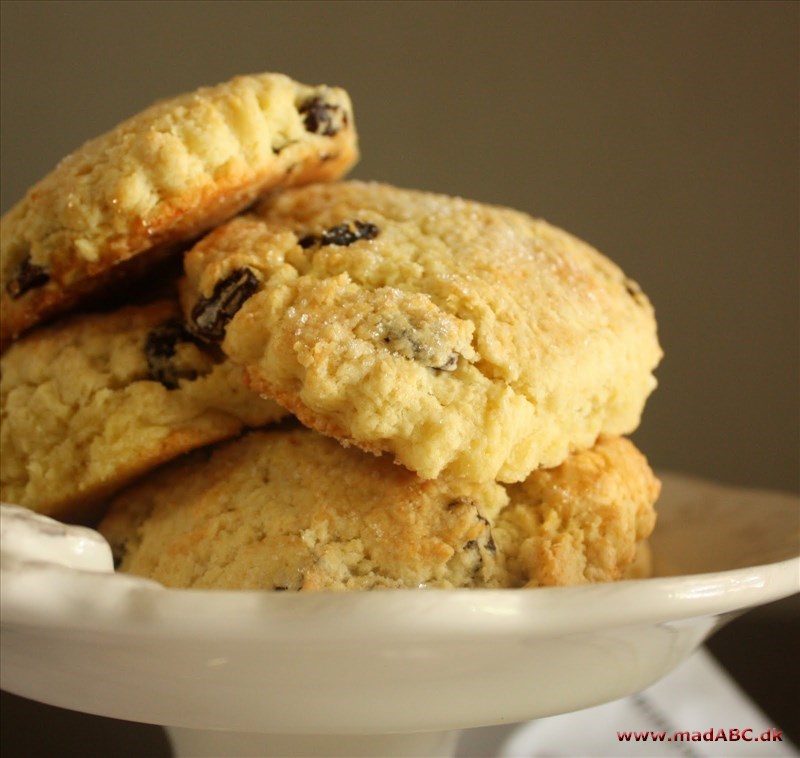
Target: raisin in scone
(586, 520)
(293, 510)
(93, 401)
(458, 337)
(160, 178)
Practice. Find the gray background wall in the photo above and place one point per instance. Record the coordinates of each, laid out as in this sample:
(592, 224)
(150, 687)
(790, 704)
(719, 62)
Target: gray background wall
(664, 133)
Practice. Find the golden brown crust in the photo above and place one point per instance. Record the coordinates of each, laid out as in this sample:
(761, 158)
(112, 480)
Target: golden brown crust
(163, 177)
(583, 521)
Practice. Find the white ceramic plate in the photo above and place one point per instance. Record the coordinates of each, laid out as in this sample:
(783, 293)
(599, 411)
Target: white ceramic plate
(78, 636)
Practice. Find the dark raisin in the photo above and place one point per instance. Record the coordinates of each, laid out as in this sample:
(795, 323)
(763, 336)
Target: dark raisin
(211, 315)
(347, 234)
(490, 546)
(459, 501)
(449, 365)
(320, 117)
(160, 347)
(634, 290)
(342, 234)
(471, 545)
(416, 344)
(28, 276)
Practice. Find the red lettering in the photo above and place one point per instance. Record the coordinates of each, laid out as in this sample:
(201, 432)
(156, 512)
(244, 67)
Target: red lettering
(642, 736)
(710, 735)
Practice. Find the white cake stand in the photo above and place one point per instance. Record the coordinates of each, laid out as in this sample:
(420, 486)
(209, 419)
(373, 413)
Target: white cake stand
(389, 673)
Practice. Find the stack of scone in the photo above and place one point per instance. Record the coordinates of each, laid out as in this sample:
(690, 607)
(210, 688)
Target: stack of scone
(254, 374)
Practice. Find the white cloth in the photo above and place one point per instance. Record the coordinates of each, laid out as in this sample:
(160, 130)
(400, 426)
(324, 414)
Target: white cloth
(698, 699)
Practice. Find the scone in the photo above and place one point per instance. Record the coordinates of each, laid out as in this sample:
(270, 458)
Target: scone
(460, 338)
(586, 520)
(293, 510)
(160, 178)
(93, 401)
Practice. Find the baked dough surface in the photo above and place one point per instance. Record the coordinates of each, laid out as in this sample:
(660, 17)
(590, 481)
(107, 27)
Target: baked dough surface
(458, 337)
